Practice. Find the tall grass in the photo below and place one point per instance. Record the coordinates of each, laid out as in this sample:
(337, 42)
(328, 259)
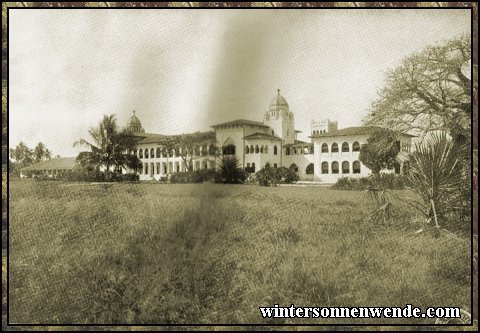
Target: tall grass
(208, 253)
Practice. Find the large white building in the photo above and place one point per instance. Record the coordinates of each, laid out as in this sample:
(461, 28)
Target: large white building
(331, 153)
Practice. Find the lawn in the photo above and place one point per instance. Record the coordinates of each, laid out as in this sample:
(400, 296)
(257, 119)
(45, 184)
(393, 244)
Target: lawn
(209, 253)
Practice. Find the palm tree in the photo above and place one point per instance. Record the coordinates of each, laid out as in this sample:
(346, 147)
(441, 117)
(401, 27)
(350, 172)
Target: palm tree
(111, 148)
(436, 175)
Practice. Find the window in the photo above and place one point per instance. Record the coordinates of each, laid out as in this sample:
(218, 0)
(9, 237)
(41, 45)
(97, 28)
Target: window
(334, 147)
(252, 150)
(334, 167)
(267, 165)
(312, 151)
(356, 146)
(261, 149)
(274, 165)
(152, 153)
(294, 151)
(275, 150)
(257, 150)
(266, 149)
(204, 150)
(247, 150)
(159, 152)
(287, 151)
(211, 149)
(228, 150)
(146, 155)
(170, 153)
(305, 150)
(324, 148)
(141, 167)
(248, 165)
(324, 167)
(345, 147)
(253, 167)
(345, 167)
(146, 167)
(309, 169)
(158, 168)
(165, 170)
(140, 153)
(356, 167)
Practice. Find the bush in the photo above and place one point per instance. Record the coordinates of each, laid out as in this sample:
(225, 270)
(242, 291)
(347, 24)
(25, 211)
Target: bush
(230, 172)
(197, 176)
(386, 181)
(273, 176)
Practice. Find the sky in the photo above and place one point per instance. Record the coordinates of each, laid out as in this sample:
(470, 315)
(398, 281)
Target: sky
(185, 70)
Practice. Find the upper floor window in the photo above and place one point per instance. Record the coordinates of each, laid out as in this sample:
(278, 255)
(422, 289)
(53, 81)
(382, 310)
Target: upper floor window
(345, 147)
(334, 147)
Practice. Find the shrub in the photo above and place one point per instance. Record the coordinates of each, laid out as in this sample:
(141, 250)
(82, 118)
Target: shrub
(230, 172)
(380, 181)
(197, 176)
(273, 176)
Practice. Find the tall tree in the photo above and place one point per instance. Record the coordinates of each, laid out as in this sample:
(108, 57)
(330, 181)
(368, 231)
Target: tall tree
(111, 148)
(381, 150)
(429, 91)
(190, 146)
(40, 152)
(22, 156)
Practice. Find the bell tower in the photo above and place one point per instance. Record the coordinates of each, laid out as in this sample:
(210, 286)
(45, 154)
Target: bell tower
(280, 119)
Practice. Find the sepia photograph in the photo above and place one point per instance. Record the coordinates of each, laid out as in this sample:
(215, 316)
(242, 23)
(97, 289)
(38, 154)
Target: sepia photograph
(239, 168)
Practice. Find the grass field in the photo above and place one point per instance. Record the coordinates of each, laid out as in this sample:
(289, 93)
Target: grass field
(208, 253)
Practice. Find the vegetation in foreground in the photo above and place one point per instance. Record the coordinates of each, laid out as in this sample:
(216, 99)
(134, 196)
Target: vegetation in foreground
(209, 253)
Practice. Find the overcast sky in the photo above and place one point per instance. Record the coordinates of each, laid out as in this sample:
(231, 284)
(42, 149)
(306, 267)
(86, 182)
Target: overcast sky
(185, 70)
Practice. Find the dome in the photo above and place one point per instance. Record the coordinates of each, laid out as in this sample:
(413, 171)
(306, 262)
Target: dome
(134, 124)
(278, 102)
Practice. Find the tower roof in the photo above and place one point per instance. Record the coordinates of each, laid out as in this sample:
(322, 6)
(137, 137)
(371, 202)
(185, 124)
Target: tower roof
(134, 124)
(278, 102)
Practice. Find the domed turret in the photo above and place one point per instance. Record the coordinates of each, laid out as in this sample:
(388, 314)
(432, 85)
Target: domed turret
(134, 124)
(280, 119)
(278, 103)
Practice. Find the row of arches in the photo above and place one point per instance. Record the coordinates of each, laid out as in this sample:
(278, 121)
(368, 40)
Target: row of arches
(299, 150)
(334, 167)
(263, 149)
(162, 152)
(345, 147)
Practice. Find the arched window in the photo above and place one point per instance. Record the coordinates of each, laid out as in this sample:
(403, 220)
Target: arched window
(275, 150)
(293, 167)
(309, 169)
(159, 152)
(345, 167)
(247, 150)
(266, 149)
(252, 150)
(324, 167)
(211, 149)
(356, 146)
(267, 165)
(334, 147)
(146, 155)
(305, 150)
(140, 153)
(345, 147)
(324, 148)
(257, 150)
(261, 149)
(228, 150)
(287, 151)
(356, 166)
(335, 167)
(152, 153)
(294, 151)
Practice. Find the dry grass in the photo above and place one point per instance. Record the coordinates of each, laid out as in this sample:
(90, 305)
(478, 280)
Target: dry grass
(206, 253)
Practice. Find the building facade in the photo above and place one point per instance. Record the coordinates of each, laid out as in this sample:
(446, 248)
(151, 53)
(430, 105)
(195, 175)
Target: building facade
(331, 153)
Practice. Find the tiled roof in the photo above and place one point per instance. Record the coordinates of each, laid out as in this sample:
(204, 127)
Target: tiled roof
(359, 130)
(299, 143)
(202, 136)
(260, 135)
(241, 122)
(61, 163)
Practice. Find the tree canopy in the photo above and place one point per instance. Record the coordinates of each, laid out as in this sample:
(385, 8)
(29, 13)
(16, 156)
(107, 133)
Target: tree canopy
(110, 148)
(381, 150)
(429, 91)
